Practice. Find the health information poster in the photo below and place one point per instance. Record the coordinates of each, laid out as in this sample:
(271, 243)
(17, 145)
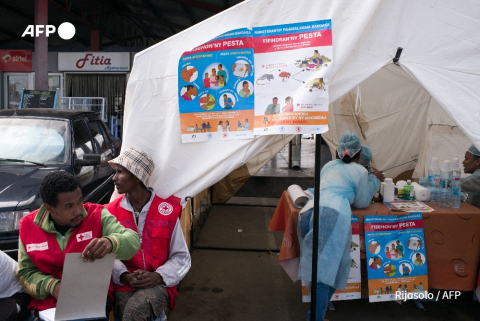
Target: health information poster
(216, 92)
(292, 73)
(396, 260)
(354, 285)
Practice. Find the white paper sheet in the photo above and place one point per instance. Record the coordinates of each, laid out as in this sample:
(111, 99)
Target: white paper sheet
(84, 287)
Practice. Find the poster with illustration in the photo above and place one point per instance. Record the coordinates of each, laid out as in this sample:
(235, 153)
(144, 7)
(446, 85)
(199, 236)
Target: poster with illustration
(396, 259)
(293, 66)
(215, 89)
(354, 285)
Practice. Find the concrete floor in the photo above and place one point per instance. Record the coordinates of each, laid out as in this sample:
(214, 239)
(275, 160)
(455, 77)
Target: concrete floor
(235, 275)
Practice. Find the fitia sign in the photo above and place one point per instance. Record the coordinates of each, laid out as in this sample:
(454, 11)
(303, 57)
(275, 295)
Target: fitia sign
(94, 61)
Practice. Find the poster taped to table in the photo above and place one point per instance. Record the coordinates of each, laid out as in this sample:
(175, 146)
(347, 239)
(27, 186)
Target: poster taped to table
(215, 89)
(354, 284)
(293, 66)
(396, 258)
(408, 206)
(297, 195)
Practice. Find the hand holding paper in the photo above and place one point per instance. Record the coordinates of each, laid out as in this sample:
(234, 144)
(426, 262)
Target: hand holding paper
(96, 249)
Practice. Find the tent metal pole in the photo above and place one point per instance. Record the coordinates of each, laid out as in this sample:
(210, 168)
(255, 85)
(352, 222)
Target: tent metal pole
(316, 213)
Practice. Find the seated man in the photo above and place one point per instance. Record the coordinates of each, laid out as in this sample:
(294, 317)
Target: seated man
(13, 301)
(471, 184)
(64, 224)
(146, 284)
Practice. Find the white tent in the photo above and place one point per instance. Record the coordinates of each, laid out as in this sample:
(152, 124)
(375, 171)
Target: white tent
(426, 105)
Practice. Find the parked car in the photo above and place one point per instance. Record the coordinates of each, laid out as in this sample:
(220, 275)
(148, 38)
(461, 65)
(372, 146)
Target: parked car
(35, 142)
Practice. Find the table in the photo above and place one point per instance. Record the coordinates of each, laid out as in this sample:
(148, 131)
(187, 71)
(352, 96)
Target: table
(452, 241)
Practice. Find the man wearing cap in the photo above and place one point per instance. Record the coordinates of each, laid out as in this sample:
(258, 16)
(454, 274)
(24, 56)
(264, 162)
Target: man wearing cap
(64, 224)
(146, 284)
(471, 184)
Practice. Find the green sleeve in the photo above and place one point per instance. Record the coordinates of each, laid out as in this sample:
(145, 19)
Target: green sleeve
(34, 282)
(124, 240)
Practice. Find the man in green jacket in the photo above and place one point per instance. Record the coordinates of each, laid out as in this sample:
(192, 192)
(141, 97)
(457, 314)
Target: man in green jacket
(64, 224)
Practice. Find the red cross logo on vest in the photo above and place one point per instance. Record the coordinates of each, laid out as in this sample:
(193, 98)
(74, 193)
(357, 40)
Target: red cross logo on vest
(165, 209)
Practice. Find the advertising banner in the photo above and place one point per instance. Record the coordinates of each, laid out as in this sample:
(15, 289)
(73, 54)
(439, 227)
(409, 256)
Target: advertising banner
(291, 77)
(216, 92)
(396, 259)
(15, 60)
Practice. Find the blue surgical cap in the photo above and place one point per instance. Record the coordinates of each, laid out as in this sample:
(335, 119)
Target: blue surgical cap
(365, 156)
(474, 150)
(349, 144)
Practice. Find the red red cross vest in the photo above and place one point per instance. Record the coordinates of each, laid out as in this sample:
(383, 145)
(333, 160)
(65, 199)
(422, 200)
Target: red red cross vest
(155, 244)
(44, 251)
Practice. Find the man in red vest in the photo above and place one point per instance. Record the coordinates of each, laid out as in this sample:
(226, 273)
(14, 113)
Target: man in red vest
(146, 284)
(64, 224)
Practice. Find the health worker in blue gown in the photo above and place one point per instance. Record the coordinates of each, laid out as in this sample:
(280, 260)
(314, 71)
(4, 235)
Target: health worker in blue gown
(343, 182)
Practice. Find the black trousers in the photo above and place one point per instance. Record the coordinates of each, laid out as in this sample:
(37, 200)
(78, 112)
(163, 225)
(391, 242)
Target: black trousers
(8, 307)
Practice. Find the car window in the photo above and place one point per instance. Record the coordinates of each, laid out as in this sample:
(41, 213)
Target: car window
(100, 139)
(83, 142)
(33, 140)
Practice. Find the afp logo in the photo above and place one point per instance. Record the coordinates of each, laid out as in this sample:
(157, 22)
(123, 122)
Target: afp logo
(66, 30)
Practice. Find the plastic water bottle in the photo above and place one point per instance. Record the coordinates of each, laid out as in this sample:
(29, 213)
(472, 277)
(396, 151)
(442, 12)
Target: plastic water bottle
(408, 191)
(445, 176)
(434, 179)
(455, 184)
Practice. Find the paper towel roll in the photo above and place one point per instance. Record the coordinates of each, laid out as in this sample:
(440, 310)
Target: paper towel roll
(297, 195)
(421, 193)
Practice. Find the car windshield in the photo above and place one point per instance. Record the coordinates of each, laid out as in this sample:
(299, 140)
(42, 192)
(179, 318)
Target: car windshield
(33, 140)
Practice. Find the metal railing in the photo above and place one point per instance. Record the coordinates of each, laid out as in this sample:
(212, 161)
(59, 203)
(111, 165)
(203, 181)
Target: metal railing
(86, 103)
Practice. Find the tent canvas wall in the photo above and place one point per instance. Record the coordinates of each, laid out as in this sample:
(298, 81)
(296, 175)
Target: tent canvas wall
(398, 115)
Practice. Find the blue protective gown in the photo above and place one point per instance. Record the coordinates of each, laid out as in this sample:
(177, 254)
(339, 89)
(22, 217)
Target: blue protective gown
(471, 186)
(341, 185)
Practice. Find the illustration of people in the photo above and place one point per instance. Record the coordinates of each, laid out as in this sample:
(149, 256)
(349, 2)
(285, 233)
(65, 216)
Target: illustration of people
(190, 93)
(206, 81)
(196, 128)
(227, 126)
(266, 121)
(227, 102)
(204, 127)
(420, 287)
(220, 126)
(247, 124)
(208, 126)
(316, 59)
(376, 262)
(406, 269)
(415, 289)
(245, 91)
(387, 253)
(188, 73)
(399, 288)
(372, 247)
(405, 288)
(221, 81)
(213, 77)
(288, 105)
(381, 290)
(273, 108)
(216, 83)
(239, 125)
(223, 73)
(399, 249)
(393, 252)
(418, 260)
